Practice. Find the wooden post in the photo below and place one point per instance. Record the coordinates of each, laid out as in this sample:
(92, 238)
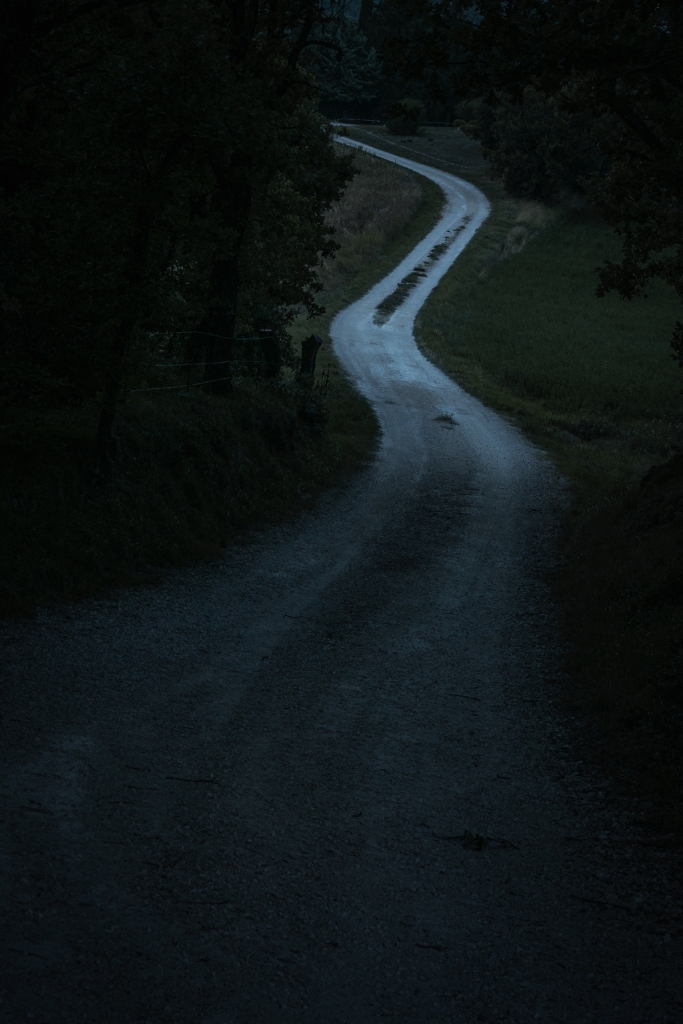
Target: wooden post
(309, 350)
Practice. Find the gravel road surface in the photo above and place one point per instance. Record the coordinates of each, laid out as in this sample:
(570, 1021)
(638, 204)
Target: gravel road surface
(329, 779)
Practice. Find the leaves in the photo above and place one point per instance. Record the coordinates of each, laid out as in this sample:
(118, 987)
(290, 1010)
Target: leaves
(345, 65)
(617, 62)
(540, 150)
(163, 166)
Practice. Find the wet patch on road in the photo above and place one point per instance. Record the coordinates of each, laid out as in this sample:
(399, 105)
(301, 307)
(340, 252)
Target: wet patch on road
(387, 307)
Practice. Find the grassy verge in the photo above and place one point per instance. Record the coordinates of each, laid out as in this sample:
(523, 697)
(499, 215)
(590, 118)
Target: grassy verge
(190, 472)
(193, 470)
(592, 381)
(517, 323)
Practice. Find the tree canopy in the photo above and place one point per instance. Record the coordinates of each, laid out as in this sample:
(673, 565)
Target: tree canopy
(345, 64)
(164, 172)
(620, 61)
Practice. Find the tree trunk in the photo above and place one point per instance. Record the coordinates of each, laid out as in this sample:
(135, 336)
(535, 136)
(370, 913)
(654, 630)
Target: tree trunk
(233, 176)
(132, 283)
(105, 445)
(219, 327)
(365, 16)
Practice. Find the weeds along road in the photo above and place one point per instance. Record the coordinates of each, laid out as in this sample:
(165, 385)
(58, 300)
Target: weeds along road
(246, 795)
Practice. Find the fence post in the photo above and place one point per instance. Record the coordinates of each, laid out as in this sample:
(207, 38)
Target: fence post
(309, 350)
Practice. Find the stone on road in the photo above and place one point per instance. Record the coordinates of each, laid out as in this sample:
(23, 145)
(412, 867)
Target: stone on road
(329, 778)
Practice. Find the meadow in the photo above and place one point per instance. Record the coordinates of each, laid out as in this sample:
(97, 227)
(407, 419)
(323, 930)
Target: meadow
(590, 378)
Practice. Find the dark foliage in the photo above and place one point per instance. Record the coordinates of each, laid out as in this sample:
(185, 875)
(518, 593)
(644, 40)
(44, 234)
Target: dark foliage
(540, 150)
(619, 61)
(164, 176)
(405, 117)
(345, 64)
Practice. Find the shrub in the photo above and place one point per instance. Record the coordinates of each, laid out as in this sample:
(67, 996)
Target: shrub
(405, 117)
(540, 150)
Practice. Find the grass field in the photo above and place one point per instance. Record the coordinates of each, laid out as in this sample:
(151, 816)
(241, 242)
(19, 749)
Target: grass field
(591, 379)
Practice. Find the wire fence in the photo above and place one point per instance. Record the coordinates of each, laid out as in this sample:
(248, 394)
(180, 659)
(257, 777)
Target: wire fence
(266, 335)
(175, 387)
(217, 362)
(237, 364)
(366, 120)
(275, 381)
(207, 334)
(320, 386)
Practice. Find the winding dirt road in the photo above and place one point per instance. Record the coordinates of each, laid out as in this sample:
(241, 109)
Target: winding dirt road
(326, 780)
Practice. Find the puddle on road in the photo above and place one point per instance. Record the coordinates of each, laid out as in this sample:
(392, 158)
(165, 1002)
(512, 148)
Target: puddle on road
(387, 307)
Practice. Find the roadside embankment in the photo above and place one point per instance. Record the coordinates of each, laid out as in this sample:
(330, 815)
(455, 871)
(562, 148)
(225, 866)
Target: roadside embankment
(622, 587)
(194, 470)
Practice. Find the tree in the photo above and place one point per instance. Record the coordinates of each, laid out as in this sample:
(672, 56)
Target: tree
(345, 65)
(163, 169)
(620, 61)
(540, 150)
(405, 117)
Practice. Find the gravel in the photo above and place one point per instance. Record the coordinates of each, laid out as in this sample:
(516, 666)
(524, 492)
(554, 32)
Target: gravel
(329, 779)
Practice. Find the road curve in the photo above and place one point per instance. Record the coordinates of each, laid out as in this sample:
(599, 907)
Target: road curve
(326, 780)
(413, 400)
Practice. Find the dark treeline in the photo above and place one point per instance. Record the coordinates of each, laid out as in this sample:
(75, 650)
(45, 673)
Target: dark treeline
(165, 169)
(567, 96)
(164, 178)
(539, 149)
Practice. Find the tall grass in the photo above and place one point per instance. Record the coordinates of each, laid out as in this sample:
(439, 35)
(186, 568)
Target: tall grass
(376, 208)
(191, 471)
